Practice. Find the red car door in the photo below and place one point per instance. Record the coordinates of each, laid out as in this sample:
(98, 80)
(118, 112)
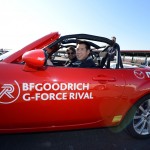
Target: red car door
(57, 96)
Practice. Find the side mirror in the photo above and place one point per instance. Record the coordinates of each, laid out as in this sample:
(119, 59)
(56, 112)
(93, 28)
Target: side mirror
(34, 60)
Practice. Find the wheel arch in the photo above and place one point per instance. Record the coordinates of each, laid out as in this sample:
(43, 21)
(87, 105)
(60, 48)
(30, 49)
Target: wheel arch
(126, 123)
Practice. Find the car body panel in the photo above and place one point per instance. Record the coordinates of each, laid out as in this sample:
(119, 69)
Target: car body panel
(88, 107)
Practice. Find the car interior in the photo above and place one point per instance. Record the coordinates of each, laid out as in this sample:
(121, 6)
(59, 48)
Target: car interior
(98, 44)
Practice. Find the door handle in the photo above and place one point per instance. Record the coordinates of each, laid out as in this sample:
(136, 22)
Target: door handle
(110, 79)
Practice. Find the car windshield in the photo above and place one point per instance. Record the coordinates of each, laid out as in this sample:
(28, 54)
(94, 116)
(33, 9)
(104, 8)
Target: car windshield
(7, 54)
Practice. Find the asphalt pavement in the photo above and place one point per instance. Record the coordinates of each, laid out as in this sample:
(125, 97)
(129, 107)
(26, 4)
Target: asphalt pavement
(91, 139)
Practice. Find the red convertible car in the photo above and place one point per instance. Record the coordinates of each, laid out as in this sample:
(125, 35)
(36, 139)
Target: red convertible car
(38, 97)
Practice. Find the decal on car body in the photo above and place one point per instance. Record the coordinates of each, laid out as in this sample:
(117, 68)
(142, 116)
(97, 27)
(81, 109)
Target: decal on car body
(8, 94)
(139, 74)
(45, 91)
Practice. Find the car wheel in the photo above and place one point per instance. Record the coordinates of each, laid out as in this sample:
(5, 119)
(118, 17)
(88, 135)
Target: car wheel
(139, 125)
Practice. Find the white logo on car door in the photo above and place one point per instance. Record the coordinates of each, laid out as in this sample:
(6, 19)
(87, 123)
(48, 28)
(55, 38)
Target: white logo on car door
(8, 94)
(8, 89)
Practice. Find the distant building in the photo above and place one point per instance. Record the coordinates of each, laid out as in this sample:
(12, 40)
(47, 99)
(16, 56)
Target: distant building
(2, 50)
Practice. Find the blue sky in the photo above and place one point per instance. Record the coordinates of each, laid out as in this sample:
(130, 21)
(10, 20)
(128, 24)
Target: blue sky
(23, 21)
